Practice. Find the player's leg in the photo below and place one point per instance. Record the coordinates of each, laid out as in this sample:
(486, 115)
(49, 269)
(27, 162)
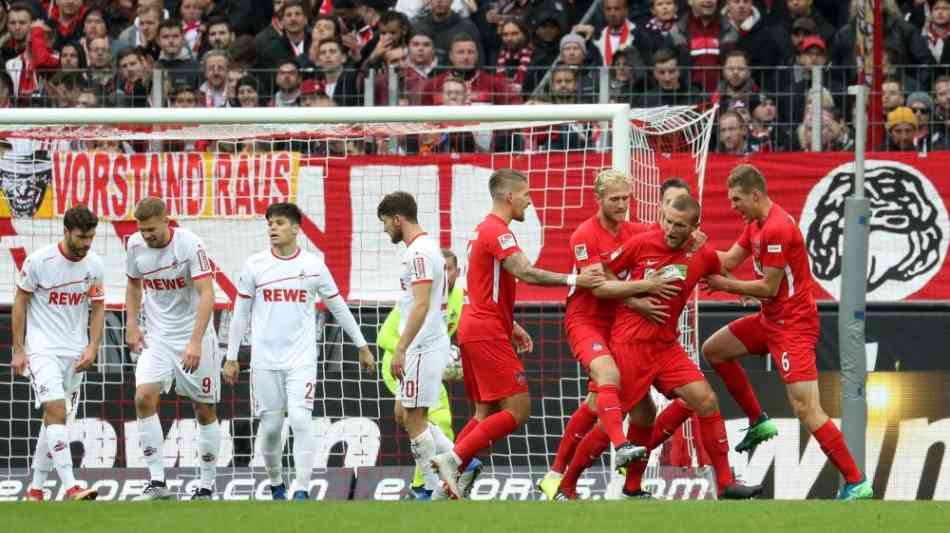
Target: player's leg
(722, 351)
(300, 390)
(42, 465)
(582, 420)
(639, 431)
(203, 386)
(153, 369)
(270, 402)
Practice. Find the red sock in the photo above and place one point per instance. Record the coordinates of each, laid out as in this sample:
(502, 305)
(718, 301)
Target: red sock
(670, 418)
(577, 426)
(496, 426)
(610, 415)
(740, 388)
(472, 424)
(639, 436)
(590, 448)
(832, 442)
(717, 446)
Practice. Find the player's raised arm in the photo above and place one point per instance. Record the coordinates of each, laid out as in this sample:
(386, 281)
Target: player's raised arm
(520, 267)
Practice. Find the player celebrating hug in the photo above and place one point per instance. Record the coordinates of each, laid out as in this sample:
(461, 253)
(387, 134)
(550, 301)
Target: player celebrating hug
(55, 288)
(494, 376)
(787, 327)
(277, 293)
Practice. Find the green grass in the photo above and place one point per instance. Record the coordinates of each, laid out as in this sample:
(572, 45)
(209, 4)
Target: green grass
(482, 517)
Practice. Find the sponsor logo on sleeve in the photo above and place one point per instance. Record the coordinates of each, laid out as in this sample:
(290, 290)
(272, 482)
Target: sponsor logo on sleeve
(203, 262)
(506, 241)
(773, 248)
(580, 252)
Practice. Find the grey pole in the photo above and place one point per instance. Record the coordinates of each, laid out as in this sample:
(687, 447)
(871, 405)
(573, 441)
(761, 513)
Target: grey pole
(853, 304)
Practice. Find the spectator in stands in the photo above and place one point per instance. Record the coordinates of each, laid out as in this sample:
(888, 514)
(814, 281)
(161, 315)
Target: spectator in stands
(454, 92)
(801, 28)
(214, 91)
(394, 59)
(135, 78)
(737, 84)
(797, 81)
(664, 15)
(6, 90)
(220, 36)
(101, 73)
(190, 12)
(325, 27)
(666, 84)
(89, 97)
(248, 93)
(234, 76)
(564, 85)
(144, 32)
(93, 27)
(484, 87)
(184, 95)
(733, 134)
(935, 27)
(36, 56)
(63, 89)
(72, 57)
(66, 16)
(338, 82)
(626, 76)
(576, 53)
(702, 36)
(19, 19)
(901, 130)
(892, 93)
(764, 46)
(419, 66)
(289, 42)
(175, 58)
(922, 106)
(802, 10)
(516, 53)
(765, 133)
(909, 46)
(620, 33)
(392, 31)
(444, 25)
(941, 96)
(309, 94)
(288, 84)
(548, 31)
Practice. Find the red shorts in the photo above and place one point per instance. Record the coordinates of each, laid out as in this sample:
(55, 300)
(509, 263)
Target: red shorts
(792, 349)
(663, 365)
(492, 370)
(588, 343)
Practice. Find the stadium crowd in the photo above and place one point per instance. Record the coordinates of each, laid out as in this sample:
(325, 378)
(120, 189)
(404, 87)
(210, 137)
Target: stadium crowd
(752, 57)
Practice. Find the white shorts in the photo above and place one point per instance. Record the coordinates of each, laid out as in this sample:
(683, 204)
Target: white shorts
(160, 363)
(54, 378)
(421, 384)
(275, 391)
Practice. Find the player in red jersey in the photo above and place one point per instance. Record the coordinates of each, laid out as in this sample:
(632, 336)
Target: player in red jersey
(494, 376)
(650, 354)
(787, 326)
(588, 321)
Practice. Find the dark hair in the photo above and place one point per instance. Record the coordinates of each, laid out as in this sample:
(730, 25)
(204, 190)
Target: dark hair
(334, 41)
(502, 179)
(337, 30)
(449, 254)
(81, 218)
(422, 32)
(288, 210)
(521, 25)
(736, 52)
(21, 6)
(674, 182)
(80, 52)
(170, 23)
(395, 16)
(663, 55)
(126, 52)
(250, 81)
(462, 37)
(219, 19)
(561, 67)
(685, 203)
(398, 203)
(5, 79)
(243, 51)
(747, 178)
(289, 4)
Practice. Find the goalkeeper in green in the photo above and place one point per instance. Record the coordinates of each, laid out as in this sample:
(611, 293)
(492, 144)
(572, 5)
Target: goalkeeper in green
(440, 416)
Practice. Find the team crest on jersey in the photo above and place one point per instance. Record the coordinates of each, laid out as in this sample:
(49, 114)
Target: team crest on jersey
(616, 253)
(580, 252)
(506, 241)
(597, 346)
(669, 272)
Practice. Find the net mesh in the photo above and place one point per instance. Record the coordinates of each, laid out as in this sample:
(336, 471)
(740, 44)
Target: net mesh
(217, 180)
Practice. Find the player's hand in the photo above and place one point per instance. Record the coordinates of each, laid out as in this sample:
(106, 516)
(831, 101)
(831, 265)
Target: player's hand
(135, 339)
(661, 288)
(591, 279)
(650, 307)
(191, 358)
(18, 365)
(230, 372)
(521, 339)
(697, 240)
(398, 366)
(86, 360)
(749, 301)
(585, 30)
(367, 361)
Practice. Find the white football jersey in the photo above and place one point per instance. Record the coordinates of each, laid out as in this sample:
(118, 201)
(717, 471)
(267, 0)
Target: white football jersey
(423, 262)
(284, 293)
(57, 319)
(168, 274)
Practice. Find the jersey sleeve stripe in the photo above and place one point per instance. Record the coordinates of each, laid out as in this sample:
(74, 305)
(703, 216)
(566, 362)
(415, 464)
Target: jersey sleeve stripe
(242, 295)
(24, 290)
(130, 276)
(200, 276)
(331, 297)
(418, 281)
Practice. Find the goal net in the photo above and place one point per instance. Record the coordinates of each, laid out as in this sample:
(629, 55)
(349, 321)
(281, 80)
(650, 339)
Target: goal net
(218, 170)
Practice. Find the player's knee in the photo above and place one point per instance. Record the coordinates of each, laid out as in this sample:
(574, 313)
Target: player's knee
(805, 410)
(206, 413)
(644, 414)
(301, 419)
(706, 404)
(54, 412)
(711, 351)
(145, 403)
(522, 413)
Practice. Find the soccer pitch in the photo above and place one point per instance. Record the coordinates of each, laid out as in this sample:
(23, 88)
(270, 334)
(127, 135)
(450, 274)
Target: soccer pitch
(484, 517)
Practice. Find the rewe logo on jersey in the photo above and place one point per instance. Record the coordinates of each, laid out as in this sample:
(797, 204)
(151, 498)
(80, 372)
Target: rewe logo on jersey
(164, 284)
(66, 298)
(285, 295)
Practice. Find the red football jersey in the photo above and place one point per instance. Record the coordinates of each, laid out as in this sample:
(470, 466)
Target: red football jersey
(777, 242)
(648, 252)
(488, 311)
(591, 244)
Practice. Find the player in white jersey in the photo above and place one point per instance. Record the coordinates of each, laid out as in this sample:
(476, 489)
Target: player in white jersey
(172, 268)
(423, 350)
(278, 290)
(55, 288)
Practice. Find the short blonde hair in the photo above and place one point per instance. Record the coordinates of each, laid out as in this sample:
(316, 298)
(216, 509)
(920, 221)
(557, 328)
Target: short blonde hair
(609, 177)
(149, 207)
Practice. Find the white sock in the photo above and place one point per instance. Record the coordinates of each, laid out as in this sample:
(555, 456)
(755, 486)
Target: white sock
(209, 441)
(152, 442)
(62, 458)
(42, 461)
(272, 445)
(423, 449)
(301, 421)
(442, 442)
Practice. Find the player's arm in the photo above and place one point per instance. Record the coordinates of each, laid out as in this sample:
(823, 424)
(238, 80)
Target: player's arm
(133, 306)
(765, 287)
(733, 257)
(20, 303)
(417, 316)
(192, 356)
(520, 267)
(614, 288)
(240, 317)
(344, 317)
(97, 321)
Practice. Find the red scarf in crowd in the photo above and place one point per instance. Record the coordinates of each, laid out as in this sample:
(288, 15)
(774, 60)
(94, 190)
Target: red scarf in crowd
(608, 47)
(524, 59)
